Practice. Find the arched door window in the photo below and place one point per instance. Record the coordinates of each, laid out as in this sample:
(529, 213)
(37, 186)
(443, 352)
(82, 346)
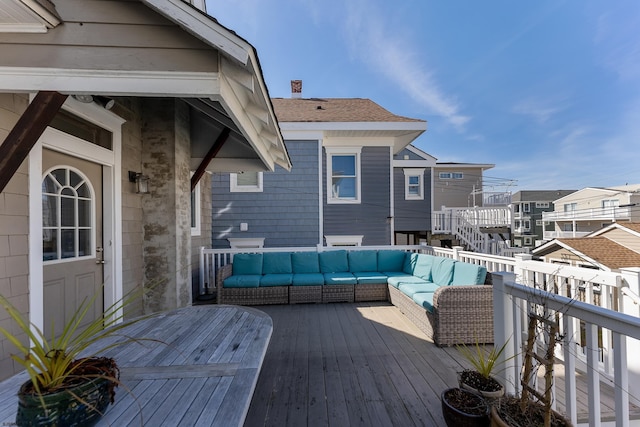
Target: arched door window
(67, 215)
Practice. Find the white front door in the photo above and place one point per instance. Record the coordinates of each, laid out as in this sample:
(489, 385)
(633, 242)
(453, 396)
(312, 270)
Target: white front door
(72, 239)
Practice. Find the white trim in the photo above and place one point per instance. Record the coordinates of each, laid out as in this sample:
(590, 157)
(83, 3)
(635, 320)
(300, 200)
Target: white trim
(302, 135)
(349, 240)
(23, 28)
(320, 195)
(246, 242)
(36, 273)
(235, 188)
(351, 151)
(358, 141)
(195, 208)
(412, 172)
(111, 82)
(412, 164)
(341, 126)
(392, 201)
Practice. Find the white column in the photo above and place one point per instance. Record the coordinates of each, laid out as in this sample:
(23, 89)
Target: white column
(503, 330)
(629, 304)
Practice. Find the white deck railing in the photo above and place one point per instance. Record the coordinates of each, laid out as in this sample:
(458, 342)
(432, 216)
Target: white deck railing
(610, 213)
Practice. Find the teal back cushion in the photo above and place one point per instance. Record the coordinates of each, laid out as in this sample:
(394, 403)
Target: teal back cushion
(305, 262)
(333, 261)
(363, 261)
(391, 260)
(244, 264)
(468, 274)
(410, 262)
(277, 263)
(422, 267)
(442, 271)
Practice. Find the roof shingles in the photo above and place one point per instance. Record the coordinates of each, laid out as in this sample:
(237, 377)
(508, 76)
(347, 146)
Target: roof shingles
(604, 251)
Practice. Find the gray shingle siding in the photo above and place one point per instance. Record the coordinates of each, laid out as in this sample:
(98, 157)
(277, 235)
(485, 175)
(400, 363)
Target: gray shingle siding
(411, 215)
(370, 217)
(406, 152)
(285, 213)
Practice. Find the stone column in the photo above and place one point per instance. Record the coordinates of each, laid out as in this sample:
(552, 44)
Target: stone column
(166, 209)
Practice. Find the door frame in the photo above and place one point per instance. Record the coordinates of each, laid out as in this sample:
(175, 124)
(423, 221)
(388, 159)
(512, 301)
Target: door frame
(56, 140)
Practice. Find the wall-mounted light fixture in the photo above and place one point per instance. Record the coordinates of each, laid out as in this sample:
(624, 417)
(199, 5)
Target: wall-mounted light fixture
(85, 99)
(141, 181)
(105, 102)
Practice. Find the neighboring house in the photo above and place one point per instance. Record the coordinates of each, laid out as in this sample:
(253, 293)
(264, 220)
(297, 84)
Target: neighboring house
(591, 209)
(353, 181)
(459, 185)
(99, 100)
(527, 207)
(611, 248)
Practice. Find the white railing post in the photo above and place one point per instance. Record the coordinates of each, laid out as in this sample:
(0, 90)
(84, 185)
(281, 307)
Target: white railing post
(520, 269)
(456, 252)
(503, 330)
(630, 304)
(202, 270)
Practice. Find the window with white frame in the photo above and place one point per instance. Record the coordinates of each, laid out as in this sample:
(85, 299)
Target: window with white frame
(343, 240)
(539, 223)
(444, 175)
(343, 174)
(413, 183)
(457, 175)
(570, 207)
(195, 210)
(528, 241)
(526, 207)
(542, 205)
(526, 224)
(245, 182)
(451, 175)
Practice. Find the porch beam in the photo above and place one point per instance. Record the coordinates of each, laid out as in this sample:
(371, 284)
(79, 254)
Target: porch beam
(26, 132)
(213, 152)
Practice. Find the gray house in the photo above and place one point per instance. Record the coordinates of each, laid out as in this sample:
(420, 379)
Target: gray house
(527, 208)
(355, 180)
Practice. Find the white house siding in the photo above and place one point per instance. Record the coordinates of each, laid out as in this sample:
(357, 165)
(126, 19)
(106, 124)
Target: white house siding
(14, 235)
(109, 35)
(371, 217)
(285, 213)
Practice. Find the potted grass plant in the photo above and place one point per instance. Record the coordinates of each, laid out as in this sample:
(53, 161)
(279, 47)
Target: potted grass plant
(480, 379)
(68, 384)
(464, 408)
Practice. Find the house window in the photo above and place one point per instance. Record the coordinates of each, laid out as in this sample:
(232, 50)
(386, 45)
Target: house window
(457, 175)
(516, 224)
(567, 227)
(516, 208)
(609, 206)
(245, 182)
(570, 207)
(542, 205)
(414, 183)
(528, 241)
(526, 224)
(451, 175)
(526, 207)
(445, 175)
(343, 240)
(195, 210)
(67, 216)
(539, 223)
(343, 175)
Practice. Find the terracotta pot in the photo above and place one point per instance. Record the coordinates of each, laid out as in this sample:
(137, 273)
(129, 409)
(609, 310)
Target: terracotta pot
(497, 421)
(455, 417)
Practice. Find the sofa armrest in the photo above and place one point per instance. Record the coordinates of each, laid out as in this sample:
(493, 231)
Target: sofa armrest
(463, 314)
(467, 296)
(223, 273)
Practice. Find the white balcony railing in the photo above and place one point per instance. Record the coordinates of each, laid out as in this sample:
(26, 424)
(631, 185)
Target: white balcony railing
(548, 235)
(445, 221)
(600, 214)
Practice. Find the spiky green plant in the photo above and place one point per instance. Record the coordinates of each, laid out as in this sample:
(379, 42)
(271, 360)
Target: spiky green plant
(483, 362)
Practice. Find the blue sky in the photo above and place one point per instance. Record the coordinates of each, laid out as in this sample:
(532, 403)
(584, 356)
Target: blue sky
(548, 91)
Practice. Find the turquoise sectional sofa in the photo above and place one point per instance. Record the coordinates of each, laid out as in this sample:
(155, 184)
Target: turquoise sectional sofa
(446, 299)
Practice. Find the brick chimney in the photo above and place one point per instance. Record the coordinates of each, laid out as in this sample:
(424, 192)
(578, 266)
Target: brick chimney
(296, 88)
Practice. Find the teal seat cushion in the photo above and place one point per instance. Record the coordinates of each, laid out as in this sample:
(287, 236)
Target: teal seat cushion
(339, 279)
(242, 281)
(424, 299)
(247, 264)
(333, 261)
(363, 261)
(468, 274)
(305, 262)
(369, 278)
(277, 263)
(308, 279)
(410, 289)
(389, 260)
(401, 278)
(442, 271)
(276, 280)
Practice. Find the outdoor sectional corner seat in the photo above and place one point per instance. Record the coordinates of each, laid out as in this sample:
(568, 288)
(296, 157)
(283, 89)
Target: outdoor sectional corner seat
(447, 299)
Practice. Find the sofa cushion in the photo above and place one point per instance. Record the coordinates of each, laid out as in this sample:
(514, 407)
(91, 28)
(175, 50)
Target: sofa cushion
(400, 278)
(419, 265)
(468, 274)
(276, 263)
(305, 262)
(339, 279)
(369, 277)
(244, 264)
(442, 271)
(363, 261)
(333, 261)
(276, 280)
(410, 289)
(242, 281)
(308, 279)
(424, 299)
(389, 260)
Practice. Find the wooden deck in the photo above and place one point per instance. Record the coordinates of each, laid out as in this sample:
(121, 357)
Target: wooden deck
(360, 364)
(203, 372)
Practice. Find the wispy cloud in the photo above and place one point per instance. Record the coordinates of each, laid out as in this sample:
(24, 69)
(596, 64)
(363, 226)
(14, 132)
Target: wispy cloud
(540, 109)
(618, 41)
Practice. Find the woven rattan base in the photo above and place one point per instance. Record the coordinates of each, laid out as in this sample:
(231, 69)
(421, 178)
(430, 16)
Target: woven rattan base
(371, 292)
(337, 293)
(254, 296)
(305, 294)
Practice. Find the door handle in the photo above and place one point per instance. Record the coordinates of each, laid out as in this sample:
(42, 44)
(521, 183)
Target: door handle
(99, 256)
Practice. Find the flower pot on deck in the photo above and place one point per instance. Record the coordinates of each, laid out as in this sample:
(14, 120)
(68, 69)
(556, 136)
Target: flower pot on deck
(462, 408)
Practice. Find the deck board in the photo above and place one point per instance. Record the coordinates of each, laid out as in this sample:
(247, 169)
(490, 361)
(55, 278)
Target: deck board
(372, 364)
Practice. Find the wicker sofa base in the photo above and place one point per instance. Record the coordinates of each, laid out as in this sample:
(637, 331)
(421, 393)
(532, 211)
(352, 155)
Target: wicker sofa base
(254, 296)
(371, 292)
(463, 321)
(337, 293)
(305, 294)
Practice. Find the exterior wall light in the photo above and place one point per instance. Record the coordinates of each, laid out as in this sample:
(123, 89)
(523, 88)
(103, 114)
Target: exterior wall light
(141, 181)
